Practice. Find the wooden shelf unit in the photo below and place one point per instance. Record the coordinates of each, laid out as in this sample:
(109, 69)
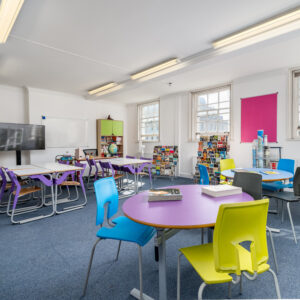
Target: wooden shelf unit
(110, 131)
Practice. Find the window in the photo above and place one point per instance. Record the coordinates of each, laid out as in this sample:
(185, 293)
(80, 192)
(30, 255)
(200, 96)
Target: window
(149, 122)
(211, 112)
(295, 92)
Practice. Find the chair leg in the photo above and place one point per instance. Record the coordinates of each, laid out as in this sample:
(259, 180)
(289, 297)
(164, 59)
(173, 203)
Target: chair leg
(291, 220)
(178, 276)
(89, 267)
(140, 272)
(276, 283)
(273, 249)
(241, 285)
(229, 290)
(200, 292)
(202, 236)
(119, 247)
(282, 212)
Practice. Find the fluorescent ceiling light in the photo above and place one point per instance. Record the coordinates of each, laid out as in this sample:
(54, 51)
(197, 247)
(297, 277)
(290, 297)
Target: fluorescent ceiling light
(155, 69)
(9, 10)
(102, 88)
(275, 26)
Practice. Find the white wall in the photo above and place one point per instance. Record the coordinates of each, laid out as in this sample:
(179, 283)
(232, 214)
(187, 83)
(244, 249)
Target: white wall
(175, 120)
(29, 104)
(13, 109)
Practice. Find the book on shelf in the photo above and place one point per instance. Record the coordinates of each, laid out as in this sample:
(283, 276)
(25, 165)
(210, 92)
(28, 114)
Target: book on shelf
(164, 195)
(221, 190)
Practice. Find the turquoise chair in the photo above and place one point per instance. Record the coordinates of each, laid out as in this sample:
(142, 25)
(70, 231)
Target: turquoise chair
(120, 228)
(204, 178)
(284, 165)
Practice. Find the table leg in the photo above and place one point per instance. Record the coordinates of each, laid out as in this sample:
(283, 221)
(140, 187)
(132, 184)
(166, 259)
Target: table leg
(162, 266)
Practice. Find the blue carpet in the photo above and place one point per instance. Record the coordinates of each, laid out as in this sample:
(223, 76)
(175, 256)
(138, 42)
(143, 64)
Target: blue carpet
(48, 259)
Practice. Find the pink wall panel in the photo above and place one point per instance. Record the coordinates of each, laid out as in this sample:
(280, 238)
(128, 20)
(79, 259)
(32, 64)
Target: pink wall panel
(259, 113)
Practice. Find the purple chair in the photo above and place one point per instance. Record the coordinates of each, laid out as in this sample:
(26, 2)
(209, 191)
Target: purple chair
(19, 191)
(92, 164)
(145, 169)
(4, 187)
(63, 181)
(109, 171)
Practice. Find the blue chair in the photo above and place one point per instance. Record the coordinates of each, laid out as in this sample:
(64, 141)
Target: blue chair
(284, 165)
(120, 228)
(204, 178)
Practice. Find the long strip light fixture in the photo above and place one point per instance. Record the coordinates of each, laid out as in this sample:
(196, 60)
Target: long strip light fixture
(155, 69)
(103, 88)
(275, 26)
(9, 10)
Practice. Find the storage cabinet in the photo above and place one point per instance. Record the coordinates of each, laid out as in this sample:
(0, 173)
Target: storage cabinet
(108, 132)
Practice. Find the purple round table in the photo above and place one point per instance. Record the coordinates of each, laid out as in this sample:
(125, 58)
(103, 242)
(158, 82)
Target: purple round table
(195, 210)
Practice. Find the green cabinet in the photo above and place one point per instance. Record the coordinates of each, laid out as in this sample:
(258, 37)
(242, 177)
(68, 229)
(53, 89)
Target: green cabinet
(111, 127)
(117, 128)
(106, 127)
(109, 131)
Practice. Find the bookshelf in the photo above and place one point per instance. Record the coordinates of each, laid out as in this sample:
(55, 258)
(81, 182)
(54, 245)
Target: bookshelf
(110, 132)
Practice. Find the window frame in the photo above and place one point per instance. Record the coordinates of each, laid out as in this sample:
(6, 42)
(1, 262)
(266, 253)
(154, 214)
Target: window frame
(294, 110)
(139, 108)
(193, 98)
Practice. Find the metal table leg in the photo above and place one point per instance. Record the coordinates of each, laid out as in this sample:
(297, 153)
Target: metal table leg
(162, 266)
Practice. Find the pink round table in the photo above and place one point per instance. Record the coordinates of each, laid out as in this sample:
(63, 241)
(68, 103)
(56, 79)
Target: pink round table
(195, 210)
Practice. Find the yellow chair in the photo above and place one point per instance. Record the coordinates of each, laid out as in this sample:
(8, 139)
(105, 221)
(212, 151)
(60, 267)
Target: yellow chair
(216, 262)
(226, 164)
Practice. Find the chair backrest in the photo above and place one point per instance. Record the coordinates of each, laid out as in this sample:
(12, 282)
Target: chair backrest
(226, 164)
(132, 157)
(204, 178)
(251, 183)
(106, 192)
(106, 167)
(3, 183)
(80, 165)
(296, 183)
(288, 165)
(237, 223)
(90, 152)
(14, 180)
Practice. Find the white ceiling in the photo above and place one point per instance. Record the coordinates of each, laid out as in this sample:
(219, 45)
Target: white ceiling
(74, 45)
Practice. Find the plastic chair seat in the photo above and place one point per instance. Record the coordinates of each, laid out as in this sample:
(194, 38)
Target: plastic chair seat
(276, 186)
(70, 183)
(127, 230)
(201, 258)
(285, 196)
(28, 190)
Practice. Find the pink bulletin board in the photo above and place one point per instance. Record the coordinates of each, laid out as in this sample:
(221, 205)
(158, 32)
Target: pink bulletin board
(259, 112)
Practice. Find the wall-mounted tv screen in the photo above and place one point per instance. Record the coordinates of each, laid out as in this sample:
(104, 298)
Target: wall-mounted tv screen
(21, 137)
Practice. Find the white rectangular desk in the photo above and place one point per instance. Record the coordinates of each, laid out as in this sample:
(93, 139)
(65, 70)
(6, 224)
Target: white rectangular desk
(51, 169)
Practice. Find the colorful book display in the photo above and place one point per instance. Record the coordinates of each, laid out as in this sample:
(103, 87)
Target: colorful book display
(211, 149)
(165, 160)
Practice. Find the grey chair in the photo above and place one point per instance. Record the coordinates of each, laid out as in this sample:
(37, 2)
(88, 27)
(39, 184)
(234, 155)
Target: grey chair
(251, 183)
(289, 197)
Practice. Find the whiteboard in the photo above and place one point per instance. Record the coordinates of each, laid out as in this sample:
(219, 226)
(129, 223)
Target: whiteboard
(65, 133)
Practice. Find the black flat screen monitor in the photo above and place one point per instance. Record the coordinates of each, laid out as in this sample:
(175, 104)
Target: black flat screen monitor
(16, 137)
